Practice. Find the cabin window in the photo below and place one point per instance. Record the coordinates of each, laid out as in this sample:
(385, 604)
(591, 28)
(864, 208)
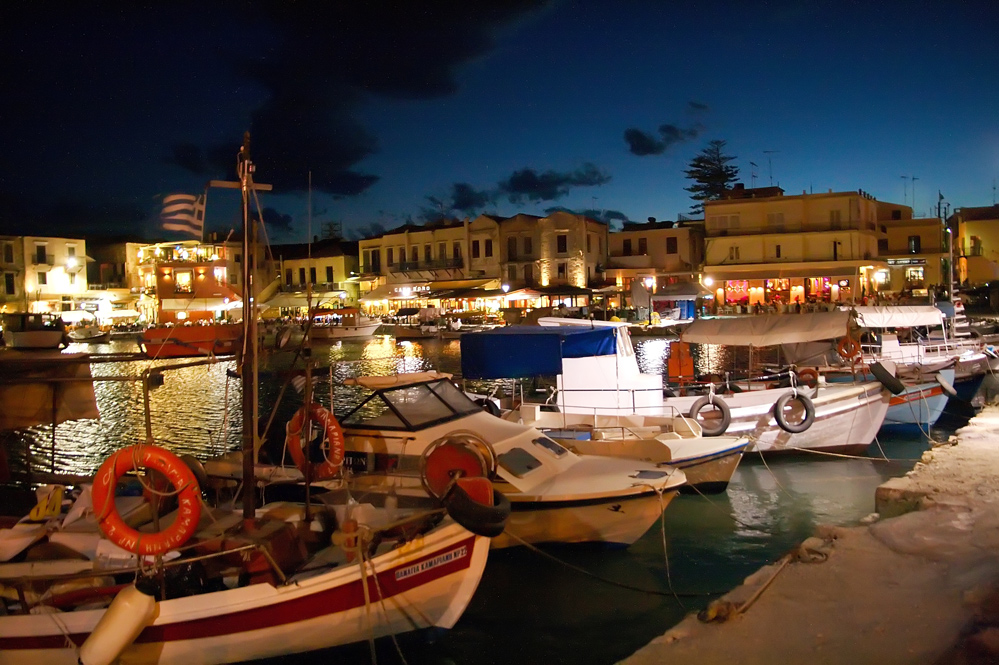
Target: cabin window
(551, 446)
(518, 461)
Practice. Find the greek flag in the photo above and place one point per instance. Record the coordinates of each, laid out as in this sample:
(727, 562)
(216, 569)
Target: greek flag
(185, 213)
(298, 382)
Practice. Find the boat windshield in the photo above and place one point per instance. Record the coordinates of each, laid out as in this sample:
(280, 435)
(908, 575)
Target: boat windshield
(412, 407)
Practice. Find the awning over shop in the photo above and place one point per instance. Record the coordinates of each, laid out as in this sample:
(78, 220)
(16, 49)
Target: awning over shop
(768, 329)
(681, 291)
(378, 293)
(898, 316)
(198, 304)
(526, 351)
(831, 269)
(299, 299)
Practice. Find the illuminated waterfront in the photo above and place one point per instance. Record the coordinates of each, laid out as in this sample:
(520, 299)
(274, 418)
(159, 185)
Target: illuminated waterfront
(529, 608)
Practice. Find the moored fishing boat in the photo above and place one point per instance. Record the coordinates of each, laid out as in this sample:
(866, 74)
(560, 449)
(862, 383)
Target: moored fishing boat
(33, 331)
(182, 341)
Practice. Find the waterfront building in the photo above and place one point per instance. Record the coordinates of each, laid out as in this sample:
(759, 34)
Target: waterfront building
(192, 281)
(327, 269)
(660, 252)
(915, 251)
(413, 266)
(976, 252)
(762, 247)
(42, 274)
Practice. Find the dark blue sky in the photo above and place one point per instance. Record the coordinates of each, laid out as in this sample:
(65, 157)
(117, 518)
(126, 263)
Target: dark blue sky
(402, 110)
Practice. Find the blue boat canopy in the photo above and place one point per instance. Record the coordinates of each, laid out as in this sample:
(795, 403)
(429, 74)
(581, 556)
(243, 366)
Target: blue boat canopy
(517, 352)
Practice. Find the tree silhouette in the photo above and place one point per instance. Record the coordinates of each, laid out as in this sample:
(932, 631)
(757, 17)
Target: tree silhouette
(712, 175)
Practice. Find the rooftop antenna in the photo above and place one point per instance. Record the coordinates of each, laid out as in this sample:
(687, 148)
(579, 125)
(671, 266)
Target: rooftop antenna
(752, 175)
(770, 165)
(914, 179)
(905, 189)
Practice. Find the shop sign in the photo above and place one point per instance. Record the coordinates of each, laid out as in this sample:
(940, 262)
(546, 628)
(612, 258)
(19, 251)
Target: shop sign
(906, 262)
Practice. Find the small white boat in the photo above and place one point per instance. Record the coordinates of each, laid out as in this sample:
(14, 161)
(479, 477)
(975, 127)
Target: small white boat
(337, 324)
(555, 494)
(89, 334)
(33, 331)
(707, 462)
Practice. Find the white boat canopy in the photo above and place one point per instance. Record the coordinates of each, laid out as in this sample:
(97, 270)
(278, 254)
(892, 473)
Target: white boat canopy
(768, 329)
(898, 316)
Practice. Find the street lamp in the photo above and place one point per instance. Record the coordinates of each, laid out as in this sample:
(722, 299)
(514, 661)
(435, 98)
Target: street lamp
(650, 283)
(950, 265)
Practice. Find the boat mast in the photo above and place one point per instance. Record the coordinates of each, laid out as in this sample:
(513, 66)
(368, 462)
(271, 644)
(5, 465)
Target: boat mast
(245, 172)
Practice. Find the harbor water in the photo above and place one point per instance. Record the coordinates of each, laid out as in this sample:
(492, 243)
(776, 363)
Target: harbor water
(586, 605)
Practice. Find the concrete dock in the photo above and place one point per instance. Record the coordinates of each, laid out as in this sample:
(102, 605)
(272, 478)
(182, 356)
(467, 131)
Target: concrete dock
(917, 584)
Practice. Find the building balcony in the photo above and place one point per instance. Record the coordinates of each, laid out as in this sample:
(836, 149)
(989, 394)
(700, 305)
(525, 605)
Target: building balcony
(438, 264)
(317, 287)
(47, 260)
(371, 270)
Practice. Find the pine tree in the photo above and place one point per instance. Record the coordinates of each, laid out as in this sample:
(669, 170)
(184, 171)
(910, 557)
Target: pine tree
(712, 175)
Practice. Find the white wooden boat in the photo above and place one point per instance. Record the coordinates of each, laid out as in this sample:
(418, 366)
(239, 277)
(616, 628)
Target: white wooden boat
(845, 418)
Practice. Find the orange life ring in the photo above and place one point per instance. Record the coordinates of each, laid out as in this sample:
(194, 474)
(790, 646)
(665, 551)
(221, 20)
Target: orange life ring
(848, 347)
(179, 475)
(809, 376)
(333, 434)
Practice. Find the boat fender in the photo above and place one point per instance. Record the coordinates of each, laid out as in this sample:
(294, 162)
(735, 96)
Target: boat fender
(132, 609)
(721, 424)
(809, 376)
(488, 406)
(282, 338)
(946, 385)
(783, 401)
(848, 348)
(333, 435)
(476, 505)
(152, 458)
(887, 378)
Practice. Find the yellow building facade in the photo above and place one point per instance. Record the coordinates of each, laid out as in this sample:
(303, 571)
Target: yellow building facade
(977, 248)
(762, 247)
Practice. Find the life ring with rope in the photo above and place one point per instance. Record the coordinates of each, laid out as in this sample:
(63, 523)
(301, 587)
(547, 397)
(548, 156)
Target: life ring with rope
(848, 348)
(332, 436)
(185, 487)
(809, 376)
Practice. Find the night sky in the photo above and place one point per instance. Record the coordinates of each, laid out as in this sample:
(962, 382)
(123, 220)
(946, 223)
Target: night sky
(409, 110)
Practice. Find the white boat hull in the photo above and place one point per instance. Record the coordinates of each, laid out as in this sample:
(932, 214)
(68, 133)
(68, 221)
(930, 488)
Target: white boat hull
(426, 583)
(317, 332)
(847, 418)
(619, 521)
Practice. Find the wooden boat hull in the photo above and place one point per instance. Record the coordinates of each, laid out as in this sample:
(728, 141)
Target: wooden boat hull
(422, 585)
(191, 341)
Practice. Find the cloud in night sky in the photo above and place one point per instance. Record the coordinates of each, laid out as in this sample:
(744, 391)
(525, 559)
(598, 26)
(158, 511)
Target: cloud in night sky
(326, 64)
(643, 144)
(697, 107)
(527, 184)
